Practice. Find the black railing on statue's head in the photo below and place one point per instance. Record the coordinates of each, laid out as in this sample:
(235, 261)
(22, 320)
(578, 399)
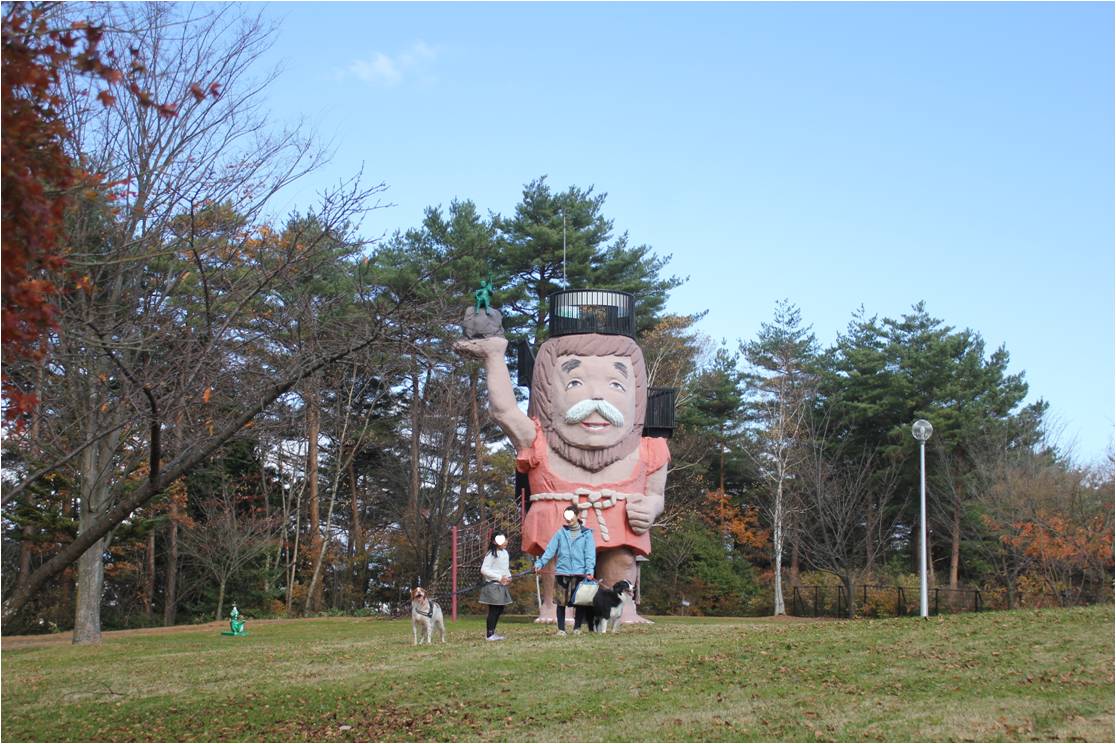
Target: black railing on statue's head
(602, 311)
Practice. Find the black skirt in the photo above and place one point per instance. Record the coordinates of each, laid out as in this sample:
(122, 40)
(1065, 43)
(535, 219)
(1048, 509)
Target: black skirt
(495, 593)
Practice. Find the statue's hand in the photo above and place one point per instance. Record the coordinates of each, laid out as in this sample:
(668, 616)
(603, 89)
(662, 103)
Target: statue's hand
(639, 514)
(482, 348)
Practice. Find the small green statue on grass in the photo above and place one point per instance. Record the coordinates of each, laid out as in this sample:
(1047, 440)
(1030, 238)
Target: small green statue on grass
(236, 625)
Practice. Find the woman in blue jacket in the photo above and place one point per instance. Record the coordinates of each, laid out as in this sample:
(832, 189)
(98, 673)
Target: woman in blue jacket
(576, 553)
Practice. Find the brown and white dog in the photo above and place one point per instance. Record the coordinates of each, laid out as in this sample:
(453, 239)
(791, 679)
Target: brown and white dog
(426, 615)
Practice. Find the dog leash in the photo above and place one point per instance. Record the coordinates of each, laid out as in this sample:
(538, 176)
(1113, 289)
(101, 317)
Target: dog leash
(478, 586)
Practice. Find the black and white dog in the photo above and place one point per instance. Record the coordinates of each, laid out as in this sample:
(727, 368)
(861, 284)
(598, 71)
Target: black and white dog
(609, 604)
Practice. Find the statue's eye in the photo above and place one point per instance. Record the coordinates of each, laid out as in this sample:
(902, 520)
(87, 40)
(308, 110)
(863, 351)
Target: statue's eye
(615, 385)
(573, 384)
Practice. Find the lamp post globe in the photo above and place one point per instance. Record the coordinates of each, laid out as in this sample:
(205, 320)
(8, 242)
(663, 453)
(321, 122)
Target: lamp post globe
(922, 430)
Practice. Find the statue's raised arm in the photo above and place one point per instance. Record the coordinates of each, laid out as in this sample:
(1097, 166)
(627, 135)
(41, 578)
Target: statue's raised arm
(501, 395)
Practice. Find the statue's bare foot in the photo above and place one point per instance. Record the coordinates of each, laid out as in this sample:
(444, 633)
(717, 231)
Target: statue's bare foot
(630, 617)
(548, 614)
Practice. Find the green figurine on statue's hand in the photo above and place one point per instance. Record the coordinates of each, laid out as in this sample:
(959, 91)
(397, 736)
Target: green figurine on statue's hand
(478, 324)
(483, 296)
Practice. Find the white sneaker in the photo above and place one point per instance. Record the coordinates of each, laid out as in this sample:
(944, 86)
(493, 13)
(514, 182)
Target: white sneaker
(561, 633)
(494, 638)
(577, 631)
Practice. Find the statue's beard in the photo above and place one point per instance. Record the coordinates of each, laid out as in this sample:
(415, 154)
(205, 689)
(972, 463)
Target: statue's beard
(591, 459)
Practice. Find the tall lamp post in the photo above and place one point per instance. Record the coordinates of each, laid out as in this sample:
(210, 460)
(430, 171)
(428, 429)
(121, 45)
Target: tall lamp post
(922, 431)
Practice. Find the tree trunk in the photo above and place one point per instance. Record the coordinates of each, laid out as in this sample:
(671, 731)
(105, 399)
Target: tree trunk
(416, 422)
(149, 578)
(170, 599)
(467, 443)
(220, 599)
(356, 540)
(316, 581)
(170, 579)
(796, 540)
(478, 453)
(931, 579)
(90, 587)
(777, 539)
(850, 608)
(130, 501)
(1010, 590)
(292, 556)
(67, 596)
(313, 428)
(869, 541)
(356, 534)
(721, 465)
(915, 546)
(415, 518)
(25, 543)
(91, 566)
(955, 541)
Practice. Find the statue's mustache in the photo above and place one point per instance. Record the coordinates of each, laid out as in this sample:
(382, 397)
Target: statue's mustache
(581, 410)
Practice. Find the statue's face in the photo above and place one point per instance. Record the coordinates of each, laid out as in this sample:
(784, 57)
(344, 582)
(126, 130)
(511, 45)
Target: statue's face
(593, 400)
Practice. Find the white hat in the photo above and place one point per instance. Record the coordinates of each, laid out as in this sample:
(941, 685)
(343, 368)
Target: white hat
(500, 540)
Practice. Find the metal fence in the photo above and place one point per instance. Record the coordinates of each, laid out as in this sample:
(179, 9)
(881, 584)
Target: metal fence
(877, 600)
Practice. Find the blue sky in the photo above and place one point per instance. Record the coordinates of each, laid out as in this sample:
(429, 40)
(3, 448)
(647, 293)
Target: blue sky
(834, 154)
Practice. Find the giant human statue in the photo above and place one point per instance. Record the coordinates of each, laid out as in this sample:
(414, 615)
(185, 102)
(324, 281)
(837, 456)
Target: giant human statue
(581, 440)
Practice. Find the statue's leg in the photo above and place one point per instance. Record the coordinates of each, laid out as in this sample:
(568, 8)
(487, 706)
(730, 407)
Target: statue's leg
(549, 611)
(618, 564)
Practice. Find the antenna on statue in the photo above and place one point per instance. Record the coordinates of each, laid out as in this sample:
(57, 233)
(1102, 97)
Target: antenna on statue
(565, 281)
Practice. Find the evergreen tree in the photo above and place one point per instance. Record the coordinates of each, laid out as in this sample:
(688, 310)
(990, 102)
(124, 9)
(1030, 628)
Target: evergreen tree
(781, 387)
(881, 376)
(713, 405)
(535, 259)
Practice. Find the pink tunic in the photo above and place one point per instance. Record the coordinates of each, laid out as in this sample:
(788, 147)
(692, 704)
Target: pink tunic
(545, 517)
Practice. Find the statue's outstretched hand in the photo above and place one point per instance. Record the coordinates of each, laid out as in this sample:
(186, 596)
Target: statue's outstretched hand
(639, 514)
(482, 348)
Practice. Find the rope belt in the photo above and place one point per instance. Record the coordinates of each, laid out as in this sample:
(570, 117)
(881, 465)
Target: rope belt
(596, 500)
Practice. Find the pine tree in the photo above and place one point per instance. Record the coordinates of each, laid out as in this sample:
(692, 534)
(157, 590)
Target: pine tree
(781, 392)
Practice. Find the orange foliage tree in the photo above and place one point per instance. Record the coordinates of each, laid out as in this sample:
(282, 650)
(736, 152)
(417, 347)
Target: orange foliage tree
(1050, 525)
(39, 175)
(1071, 557)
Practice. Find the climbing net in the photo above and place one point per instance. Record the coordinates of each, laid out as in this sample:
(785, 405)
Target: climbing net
(471, 543)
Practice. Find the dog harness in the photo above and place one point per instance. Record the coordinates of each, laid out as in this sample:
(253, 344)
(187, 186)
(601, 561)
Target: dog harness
(429, 614)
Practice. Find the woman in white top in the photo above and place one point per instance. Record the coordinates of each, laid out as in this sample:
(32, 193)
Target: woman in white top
(495, 592)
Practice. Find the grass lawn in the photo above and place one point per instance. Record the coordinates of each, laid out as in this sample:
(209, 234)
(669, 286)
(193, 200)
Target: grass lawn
(996, 676)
